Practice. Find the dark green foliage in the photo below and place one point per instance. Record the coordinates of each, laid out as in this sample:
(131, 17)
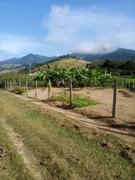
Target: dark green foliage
(81, 77)
(116, 67)
(2, 84)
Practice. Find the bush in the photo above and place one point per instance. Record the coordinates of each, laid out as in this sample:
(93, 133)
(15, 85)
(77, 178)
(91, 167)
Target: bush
(2, 85)
(20, 90)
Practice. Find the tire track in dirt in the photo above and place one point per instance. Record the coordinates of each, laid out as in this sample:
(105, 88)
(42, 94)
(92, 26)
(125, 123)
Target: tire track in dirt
(28, 160)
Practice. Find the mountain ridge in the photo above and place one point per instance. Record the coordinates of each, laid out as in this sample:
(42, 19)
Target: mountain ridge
(27, 60)
(119, 54)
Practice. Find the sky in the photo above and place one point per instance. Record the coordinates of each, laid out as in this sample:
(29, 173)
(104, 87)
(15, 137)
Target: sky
(56, 27)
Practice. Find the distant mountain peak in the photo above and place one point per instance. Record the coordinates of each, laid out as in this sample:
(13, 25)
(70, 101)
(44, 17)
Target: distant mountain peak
(27, 59)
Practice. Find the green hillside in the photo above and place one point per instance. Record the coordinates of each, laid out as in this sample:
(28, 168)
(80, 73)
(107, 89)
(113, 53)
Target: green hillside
(12, 70)
(66, 61)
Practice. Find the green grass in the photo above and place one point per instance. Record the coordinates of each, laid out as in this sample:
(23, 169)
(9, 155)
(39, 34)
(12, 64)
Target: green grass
(78, 101)
(126, 82)
(62, 153)
(14, 70)
(11, 164)
(20, 90)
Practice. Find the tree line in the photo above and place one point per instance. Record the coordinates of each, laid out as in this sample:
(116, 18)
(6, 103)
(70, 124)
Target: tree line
(116, 67)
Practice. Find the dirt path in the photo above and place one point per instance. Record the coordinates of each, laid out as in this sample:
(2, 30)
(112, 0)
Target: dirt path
(125, 134)
(29, 161)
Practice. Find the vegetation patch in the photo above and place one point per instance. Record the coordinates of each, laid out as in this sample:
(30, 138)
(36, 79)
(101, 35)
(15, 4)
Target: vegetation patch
(125, 93)
(77, 102)
(20, 91)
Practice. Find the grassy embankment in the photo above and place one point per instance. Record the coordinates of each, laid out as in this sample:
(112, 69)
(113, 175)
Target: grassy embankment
(11, 164)
(64, 153)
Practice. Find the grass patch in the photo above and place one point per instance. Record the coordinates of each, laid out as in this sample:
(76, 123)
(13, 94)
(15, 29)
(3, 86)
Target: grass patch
(78, 101)
(11, 164)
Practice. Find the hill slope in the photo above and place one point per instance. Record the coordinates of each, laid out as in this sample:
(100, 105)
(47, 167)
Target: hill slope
(119, 54)
(68, 63)
(62, 62)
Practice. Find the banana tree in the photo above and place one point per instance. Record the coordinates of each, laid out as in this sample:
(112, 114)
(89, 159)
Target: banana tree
(45, 76)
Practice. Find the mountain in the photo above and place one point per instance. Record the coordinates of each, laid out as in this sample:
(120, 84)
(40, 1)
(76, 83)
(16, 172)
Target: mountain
(27, 60)
(119, 54)
(10, 61)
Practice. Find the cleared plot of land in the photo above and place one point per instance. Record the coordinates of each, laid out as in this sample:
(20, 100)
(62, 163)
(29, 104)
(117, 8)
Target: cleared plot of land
(125, 112)
(62, 152)
(125, 103)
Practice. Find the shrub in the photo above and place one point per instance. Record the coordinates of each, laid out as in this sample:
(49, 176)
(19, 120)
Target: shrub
(20, 90)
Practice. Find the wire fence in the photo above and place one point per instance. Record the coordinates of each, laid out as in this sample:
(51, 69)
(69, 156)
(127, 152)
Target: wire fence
(34, 89)
(31, 84)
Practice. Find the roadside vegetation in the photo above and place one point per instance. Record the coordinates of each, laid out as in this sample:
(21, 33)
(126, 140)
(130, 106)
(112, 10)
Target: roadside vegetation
(65, 152)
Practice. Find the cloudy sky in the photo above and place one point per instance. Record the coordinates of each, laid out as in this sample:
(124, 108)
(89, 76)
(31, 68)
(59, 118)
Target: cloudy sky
(55, 27)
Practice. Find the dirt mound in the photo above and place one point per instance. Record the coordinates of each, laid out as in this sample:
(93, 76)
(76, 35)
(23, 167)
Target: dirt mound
(74, 89)
(125, 93)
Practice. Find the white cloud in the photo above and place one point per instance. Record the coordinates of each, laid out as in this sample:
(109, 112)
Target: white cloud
(15, 45)
(89, 30)
(92, 47)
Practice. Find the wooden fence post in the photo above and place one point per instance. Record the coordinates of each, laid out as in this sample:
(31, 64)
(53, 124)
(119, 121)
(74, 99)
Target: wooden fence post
(19, 83)
(71, 93)
(10, 85)
(122, 84)
(36, 90)
(26, 88)
(5, 83)
(114, 99)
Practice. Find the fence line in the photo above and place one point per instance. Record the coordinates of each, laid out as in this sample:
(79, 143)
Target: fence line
(12, 84)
